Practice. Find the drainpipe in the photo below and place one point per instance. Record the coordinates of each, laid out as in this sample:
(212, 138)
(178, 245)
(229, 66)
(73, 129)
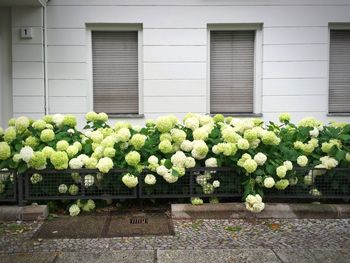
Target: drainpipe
(46, 86)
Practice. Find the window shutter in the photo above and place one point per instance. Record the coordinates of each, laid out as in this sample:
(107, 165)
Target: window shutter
(115, 72)
(339, 72)
(231, 71)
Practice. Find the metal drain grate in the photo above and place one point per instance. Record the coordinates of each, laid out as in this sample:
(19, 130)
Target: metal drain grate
(138, 221)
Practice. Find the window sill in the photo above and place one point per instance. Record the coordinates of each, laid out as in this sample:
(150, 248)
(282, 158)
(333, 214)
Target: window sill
(239, 114)
(138, 116)
(339, 114)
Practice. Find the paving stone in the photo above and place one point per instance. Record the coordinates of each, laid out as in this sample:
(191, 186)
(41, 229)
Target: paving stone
(328, 234)
(144, 256)
(28, 257)
(313, 255)
(217, 255)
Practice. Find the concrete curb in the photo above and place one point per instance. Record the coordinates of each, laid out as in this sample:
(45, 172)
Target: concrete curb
(273, 210)
(25, 213)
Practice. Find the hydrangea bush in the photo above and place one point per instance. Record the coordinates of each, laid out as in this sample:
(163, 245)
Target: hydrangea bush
(263, 155)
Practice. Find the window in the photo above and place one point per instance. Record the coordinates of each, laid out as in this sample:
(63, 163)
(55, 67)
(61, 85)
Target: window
(339, 71)
(232, 71)
(115, 72)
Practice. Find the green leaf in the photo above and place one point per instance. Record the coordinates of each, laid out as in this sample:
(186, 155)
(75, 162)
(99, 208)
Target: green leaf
(87, 148)
(168, 164)
(345, 137)
(340, 155)
(18, 147)
(175, 173)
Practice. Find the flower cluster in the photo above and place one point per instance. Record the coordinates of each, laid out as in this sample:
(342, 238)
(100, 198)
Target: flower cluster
(264, 155)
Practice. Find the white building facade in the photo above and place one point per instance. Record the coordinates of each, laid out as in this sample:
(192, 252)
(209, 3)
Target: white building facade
(139, 59)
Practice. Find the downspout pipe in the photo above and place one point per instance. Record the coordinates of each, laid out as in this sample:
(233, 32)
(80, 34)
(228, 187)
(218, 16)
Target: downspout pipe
(46, 83)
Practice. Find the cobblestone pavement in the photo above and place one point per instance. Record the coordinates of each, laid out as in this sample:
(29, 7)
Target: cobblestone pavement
(199, 234)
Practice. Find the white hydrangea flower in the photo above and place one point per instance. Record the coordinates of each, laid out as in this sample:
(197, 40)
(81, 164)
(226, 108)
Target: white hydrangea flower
(260, 158)
(211, 162)
(153, 160)
(62, 188)
(302, 160)
(288, 165)
(186, 146)
(170, 178)
(216, 183)
(243, 144)
(254, 203)
(83, 158)
(104, 164)
(75, 163)
(26, 153)
(178, 159)
(150, 179)
(36, 178)
(329, 162)
(269, 182)
(130, 180)
(89, 180)
(281, 171)
(314, 133)
(58, 119)
(190, 162)
(162, 170)
(192, 123)
(74, 210)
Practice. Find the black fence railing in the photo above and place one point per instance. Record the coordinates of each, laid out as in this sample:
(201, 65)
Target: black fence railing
(8, 186)
(305, 183)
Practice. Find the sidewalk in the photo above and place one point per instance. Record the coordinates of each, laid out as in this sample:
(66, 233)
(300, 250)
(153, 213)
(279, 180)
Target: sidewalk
(187, 256)
(195, 240)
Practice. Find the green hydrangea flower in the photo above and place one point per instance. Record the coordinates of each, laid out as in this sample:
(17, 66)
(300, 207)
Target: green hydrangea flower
(10, 134)
(133, 158)
(62, 145)
(69, 120)
(38, 161)
(138, 141)
(39, 125)
(5, 151)
(165, 146)
(282, 184)
(31, 141)
(73, 189)
(22, 124)
(47, 135)
(59, 160)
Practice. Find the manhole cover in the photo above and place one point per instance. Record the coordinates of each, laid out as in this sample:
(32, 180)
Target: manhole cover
(72, 227)
(148, 224)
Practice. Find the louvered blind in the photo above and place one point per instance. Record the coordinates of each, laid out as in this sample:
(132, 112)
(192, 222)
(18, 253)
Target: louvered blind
(115, 72)
(231, 71)
(339, 72)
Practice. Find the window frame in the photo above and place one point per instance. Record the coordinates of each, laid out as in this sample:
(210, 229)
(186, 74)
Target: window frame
(258, 50)
(115, 28)
(333, 26)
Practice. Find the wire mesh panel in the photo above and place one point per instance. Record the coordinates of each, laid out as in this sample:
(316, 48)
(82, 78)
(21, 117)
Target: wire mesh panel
(75, 184)
(315, 183)
(164, 189)
(223, 182)
(8, 186)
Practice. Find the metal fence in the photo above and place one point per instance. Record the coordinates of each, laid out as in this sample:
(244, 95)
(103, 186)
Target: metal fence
(8, 186)
(305, 183)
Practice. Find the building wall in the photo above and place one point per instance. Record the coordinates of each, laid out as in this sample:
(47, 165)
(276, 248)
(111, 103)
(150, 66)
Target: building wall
(5, 66)
(295, 47)
(28, 63)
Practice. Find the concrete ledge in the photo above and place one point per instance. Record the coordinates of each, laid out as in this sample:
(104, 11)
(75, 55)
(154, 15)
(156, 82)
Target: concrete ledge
(26, 213)
(273, 210)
